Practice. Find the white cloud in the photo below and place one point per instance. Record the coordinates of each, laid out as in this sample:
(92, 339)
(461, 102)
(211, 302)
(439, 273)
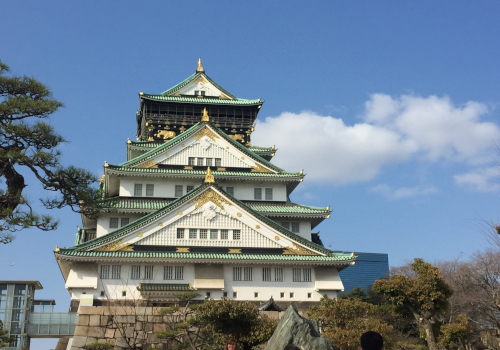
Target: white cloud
(482, 180)
(392, 131)
(403, 192)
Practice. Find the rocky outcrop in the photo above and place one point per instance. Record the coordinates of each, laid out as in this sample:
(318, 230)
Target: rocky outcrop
(297, 330)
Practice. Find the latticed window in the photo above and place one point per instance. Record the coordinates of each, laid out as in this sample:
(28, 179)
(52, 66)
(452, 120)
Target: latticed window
(218, 162)
(257, 193)
(150, 190)
(135, 272)
(203, 233)
(178, 191)
(104, 272)
(230, 190)
(179, 272)
(236, 234)
(124, 221)
(138, 190)
(168, 272)
(278, 274)
(189, 188)
(237, 273)
(192, 233)
(297, 275)
(247, 273)
(200, 161)
(213, 234)
(295, 227)
(208, 162)
(266, 274)
(180, 233)
(116, 271)
(269, 194)
(306, 275)
(286, 225)
(191, 160)
(113, 222)
(148, 272)
(224, 234)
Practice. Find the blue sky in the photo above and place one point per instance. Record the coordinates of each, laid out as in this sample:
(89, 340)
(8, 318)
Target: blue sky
(391, 107)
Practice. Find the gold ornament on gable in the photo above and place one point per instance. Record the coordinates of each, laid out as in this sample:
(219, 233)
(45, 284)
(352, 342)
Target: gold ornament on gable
(298, 250)
(257, 168)
(150, 164)
(115, 246)
(210, 196)
(206, 132)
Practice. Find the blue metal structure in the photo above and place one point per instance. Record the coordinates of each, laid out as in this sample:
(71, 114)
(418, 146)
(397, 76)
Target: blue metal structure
(369, 267)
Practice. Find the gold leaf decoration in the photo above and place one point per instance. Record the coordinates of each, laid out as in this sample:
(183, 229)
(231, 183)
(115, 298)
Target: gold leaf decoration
(234, 251)
(206, 132)
(260, 169)
(297, 250)
(150, 164)
(210, 196)
(182, 250)
(114, 246)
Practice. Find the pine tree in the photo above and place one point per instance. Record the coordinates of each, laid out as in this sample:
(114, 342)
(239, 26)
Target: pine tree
(29, 144)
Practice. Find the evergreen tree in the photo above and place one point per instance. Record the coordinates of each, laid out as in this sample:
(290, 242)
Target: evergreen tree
(29, 144)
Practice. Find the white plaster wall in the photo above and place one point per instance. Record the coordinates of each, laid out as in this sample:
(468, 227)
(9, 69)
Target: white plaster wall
(82, 275)
(304, 226)
(244, 190)
(103, 221)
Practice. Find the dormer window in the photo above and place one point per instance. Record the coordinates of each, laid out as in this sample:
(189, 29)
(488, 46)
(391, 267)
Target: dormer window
(199, 93)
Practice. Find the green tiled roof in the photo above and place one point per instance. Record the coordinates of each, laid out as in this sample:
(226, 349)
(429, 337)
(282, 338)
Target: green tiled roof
(148, 144)
(160, 287)
(201, 172)
(201, 100)
(261, 149)
(94, 243)
(188, 133)
(340, 257)
(261, 207)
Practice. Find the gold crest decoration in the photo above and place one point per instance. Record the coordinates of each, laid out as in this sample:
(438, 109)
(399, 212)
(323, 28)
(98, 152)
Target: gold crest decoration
(206, 132)
(114, 246)
(297, 250)
(260, 169)
(210, 196)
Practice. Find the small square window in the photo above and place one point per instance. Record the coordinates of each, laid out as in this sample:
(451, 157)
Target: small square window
(224, 234)
(286, 225)
(208, 294)
(180, 233)
(236, 234)
(208, 162)
(203, 233)
(150, 190)
(218, 162)
(124, 294)
(137, 190)
(102, 293)
(269, 194)
(291, 295)
(282, 295)
(179, 191)
(202, 93)
(295, 227)
(213, 234)
(257, 193)
(230, 190)
(196, 92)
(191, 160)
(135, 272)
(113, 222)
(309, 295)
(189, 188)
(235, 295)
(255, 295)
(192, 233)
(148, 272)
(225, 294)
(124, 221)
(200, 162)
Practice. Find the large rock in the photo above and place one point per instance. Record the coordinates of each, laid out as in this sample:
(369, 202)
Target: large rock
(300, 331)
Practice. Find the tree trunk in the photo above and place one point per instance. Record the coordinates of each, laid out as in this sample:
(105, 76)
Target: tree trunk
(429, 335)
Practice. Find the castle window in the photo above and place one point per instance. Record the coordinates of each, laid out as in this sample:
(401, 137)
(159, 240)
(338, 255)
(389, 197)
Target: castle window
(124, 294)
(178, 190)
(236, 234)
(282, 295)
(230, 190)
(247, 273)
(191, 160)
(202, 93)
(297, 275)
(295, 227)
(138, 190)
(203, 233)
(269, 194)
(266, 274)
(189, 188)
(278, 274)
(192, 233)
(104, 272)
(135, 272)
(196, 92)
(218, 162)
(113, 222)
(124, 221)
(302, 275)
(102, 293)
(306, 275)
(236, 273)
(286, 225)
(148, 272)
(213, 234)
(207, 295)
(225, 294)
(180, 233)
(116, 272)
(168, 272)
(224, 234)
(255, 295)
(179, 272)
(200, 161)
(309, 295)
(257, 193)
(150, 190)
(292, 295)
(235, 295)
(208, 162)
